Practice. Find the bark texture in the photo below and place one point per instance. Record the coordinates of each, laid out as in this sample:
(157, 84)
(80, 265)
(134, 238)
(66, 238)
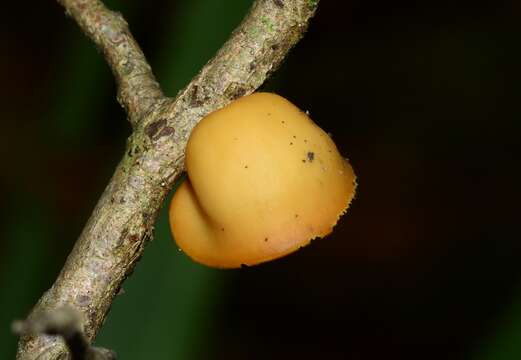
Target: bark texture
(122, 223)
(137, 88)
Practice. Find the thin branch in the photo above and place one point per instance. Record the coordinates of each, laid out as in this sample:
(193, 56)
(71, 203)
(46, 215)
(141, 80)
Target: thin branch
(64, 322)
(122, 222)
(138, 90)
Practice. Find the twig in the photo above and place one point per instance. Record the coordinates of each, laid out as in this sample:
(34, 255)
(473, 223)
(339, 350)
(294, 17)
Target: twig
(138, 90)
(122, 222)
(64, 322)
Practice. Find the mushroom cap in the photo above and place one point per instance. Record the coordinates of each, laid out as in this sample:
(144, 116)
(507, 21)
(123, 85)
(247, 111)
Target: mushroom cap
(263, 181)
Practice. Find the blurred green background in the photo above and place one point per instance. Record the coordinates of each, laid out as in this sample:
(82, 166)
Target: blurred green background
(421, 96)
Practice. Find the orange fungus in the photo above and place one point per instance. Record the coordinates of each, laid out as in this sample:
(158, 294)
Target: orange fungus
(263, 181)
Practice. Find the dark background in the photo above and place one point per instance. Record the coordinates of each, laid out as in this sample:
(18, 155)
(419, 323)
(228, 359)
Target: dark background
(422, 96)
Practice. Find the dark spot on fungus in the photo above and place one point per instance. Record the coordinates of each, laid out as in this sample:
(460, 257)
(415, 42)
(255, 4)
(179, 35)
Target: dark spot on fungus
(265, 239)
(154, 127)
(311, 156)
(222, 229)
(294, 137)
(291, 143)
(283, 122)
(269, 114)
(303, 160)
(296, 216)
(279, 3)
(305, 141)
(246, 166)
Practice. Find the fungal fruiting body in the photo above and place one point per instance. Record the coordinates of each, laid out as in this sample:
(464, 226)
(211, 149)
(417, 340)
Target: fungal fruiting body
(263, 181)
